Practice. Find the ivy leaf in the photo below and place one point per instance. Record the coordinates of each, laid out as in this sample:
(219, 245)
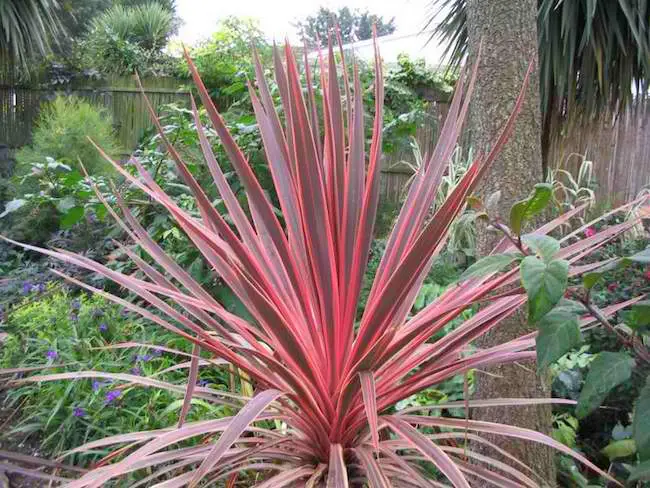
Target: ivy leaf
(559, 332)
(544, 246)
(608, 370)
(545, 284)
(619, 449)
(489, 264)
(71, 217)
(12, 206)
(640, 472)
(531, 206)
(641, 423)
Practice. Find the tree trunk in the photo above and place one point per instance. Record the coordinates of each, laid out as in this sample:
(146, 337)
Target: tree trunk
(508, 31)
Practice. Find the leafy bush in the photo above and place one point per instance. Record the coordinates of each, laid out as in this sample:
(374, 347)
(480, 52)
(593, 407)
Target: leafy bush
(128, 38)
(225, 61)
(562, 316)
(60, 332)
(62, 133)
(325, 384)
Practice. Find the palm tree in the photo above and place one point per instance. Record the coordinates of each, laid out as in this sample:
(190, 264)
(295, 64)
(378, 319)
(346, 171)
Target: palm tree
(594, 55)
(27, 29)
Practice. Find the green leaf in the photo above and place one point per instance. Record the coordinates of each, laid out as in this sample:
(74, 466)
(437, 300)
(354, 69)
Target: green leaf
(488, 265)
(640, 472)
(590, 280)
(66, 204)
(12, 206)
(544, 246)
(607, 371)
(559, 332)
(72, 178)
(639, 316)
(71, 217)
(100, 211)
(641, 422)
(619, 449)
(531, 206)
(545, 284)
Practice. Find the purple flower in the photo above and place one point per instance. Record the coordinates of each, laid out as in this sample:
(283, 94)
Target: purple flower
(144, 357)
(27, 287)
(96, 385)
(136, 371)
(103, 327)
(75, 304)
(41, 287)
(204, 383)
(124, 313)
(112, 396)
(78, 412)
(52, 354)
(74, 317)
(157, 352)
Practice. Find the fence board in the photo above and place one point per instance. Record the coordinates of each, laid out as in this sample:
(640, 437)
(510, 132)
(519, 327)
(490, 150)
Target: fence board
(20, 106)
(619, 147)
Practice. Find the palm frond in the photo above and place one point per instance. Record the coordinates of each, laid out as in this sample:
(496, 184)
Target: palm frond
(594, 55)
(28, 28)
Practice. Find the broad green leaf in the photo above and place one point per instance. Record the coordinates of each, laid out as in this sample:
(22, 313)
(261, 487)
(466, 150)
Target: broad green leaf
(71, 217)
(640, 472)
(545, 284)
(72, 178)
(544, 246)
(607, 371)
(488, 265)
(559, 332)
(639, 316)
(12, 206)
(619, 449)
(531, 206)
(641, 422)
(66, 204)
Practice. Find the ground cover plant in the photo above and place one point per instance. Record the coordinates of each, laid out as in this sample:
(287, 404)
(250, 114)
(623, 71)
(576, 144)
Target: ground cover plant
(58, 329)
(324, 384)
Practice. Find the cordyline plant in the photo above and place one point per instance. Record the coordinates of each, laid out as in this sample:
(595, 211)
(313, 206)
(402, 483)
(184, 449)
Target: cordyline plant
(325, 385)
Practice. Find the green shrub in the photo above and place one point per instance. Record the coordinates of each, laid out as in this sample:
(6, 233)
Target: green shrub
(225, 61)
(62, 133)
(62, 329)
(128, 38)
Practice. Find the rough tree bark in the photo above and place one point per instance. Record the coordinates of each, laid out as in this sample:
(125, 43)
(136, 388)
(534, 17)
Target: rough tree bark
(508, 31)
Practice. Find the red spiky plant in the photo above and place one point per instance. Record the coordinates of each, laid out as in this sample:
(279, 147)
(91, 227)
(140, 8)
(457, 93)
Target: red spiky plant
(329, 381)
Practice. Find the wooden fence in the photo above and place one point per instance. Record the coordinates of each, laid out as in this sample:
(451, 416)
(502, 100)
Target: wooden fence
(20, 105)
(619, 147)
(397, 167)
